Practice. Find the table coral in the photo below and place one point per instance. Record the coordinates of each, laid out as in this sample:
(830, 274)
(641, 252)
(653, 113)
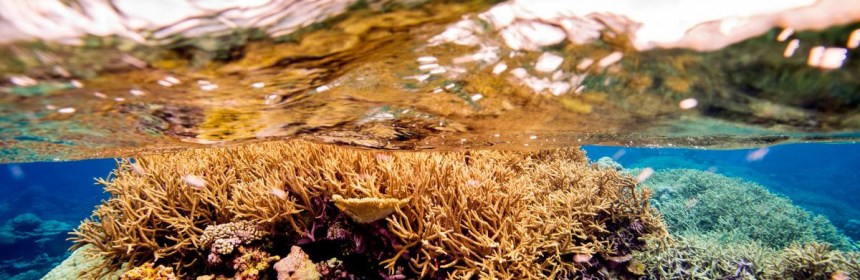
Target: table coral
(368, 209)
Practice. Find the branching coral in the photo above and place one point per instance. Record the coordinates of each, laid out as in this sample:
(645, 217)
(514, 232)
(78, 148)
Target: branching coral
(817, 261)
(703, 257)
(698, 202)
(707, 257)
(456, 214)
(725, 228)
(515, 216)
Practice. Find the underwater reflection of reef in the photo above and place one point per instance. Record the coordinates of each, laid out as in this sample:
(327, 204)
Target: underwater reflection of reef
(372, 78)
(282, 207)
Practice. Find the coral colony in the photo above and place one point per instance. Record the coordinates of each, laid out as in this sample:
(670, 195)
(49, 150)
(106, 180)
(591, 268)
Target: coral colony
(299, 210)
(344, 214)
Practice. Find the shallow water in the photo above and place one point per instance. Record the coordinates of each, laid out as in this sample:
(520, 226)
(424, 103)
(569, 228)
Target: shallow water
(375, 78)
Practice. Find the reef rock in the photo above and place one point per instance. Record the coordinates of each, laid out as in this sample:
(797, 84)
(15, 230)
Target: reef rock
(21, 234)
(80, 265)
(297, 265)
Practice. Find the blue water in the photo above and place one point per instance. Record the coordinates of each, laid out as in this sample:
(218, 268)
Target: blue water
(56, 193)
(819, 177)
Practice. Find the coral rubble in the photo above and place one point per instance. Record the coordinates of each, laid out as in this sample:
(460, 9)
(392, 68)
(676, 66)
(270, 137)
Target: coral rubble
(487, 214)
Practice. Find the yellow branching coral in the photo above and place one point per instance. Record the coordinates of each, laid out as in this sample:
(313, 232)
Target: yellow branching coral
(488, 214)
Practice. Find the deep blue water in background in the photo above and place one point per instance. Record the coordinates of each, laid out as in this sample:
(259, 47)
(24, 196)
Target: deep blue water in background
(822, 178)
(56, 193)
(64, 191)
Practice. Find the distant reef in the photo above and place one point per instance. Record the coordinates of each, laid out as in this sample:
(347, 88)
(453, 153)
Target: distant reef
(729, 228)
(30, 246)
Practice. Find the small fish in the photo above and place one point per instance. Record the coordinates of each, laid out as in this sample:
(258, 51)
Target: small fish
(136, 92)
(853, 39)
(690, 203)
(644, 175)
(618, 154)
(279, 193)
(137, 169)
(194, 181)
(427, 59)
(791, 48)
(785, 34)
(383, 157)
(67, 110)
(582, 258)
(688, 103)
(172, 80)
(610, 59)
(757, 154)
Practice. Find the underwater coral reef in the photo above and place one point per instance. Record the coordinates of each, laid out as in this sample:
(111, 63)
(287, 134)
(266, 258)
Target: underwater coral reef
(697, 202)
(30, 246)
(729, 228)
(275, 209)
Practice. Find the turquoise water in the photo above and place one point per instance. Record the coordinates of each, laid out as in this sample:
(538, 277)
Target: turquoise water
(42, 201)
